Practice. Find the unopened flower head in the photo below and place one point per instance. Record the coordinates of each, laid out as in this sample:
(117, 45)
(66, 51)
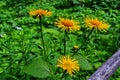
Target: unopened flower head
(75, 47)
(67, 25)
(97, 24)
(69, 64)
(39, 13)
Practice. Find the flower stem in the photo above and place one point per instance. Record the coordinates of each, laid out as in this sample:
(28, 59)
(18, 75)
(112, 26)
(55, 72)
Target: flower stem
(65, 39)
(84, 41)
(41, 32)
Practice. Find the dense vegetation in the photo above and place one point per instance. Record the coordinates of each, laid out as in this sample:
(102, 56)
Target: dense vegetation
(20, 42)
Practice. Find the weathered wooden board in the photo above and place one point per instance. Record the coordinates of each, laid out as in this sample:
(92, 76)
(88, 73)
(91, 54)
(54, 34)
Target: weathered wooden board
(108, 68)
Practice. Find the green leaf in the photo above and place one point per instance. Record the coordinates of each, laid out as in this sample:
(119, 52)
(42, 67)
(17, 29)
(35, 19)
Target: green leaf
(84, 64)
(68, 78)
(52, 31)
(98, 64)
(1, 70)
(2, 3)
(11, 76)
(38, 68)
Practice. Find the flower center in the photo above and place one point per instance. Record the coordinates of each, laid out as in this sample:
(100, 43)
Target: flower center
(67, 65)
(41, 12)
(95, 23)
(67, 23)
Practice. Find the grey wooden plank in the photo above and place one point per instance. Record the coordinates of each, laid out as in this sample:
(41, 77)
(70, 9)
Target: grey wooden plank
(108, 68)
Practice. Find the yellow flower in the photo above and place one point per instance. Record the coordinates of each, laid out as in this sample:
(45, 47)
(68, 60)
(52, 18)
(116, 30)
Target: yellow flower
(67, 25)
(39, 13)
(69, 64)
(95, 23)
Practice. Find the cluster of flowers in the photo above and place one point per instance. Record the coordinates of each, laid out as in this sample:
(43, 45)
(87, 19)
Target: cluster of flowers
(69, 63)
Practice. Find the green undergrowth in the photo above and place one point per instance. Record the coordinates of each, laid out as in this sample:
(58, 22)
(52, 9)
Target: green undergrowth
(20, 43)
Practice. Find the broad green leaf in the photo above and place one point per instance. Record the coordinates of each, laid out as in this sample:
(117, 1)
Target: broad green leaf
(84, 64)
(38, 68)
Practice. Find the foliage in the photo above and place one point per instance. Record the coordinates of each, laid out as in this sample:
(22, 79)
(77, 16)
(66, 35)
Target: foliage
(20, 45)
(38, 68)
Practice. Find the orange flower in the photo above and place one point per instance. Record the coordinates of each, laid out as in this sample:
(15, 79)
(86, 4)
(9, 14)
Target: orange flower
(67, 25)
(39, 13)
(69, 64)
(97, 24)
